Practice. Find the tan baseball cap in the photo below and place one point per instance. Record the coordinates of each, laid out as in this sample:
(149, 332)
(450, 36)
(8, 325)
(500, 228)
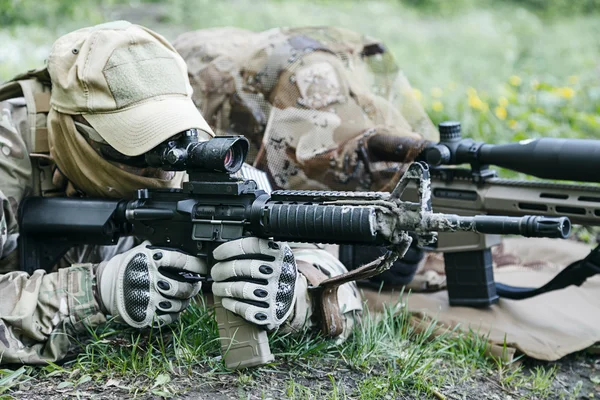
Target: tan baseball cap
(128, 82)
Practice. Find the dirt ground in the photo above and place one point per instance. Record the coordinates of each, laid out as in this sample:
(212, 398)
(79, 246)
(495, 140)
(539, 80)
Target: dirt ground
(578, 377)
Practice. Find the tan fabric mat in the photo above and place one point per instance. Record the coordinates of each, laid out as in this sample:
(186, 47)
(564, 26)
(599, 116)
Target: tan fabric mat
(545, 327)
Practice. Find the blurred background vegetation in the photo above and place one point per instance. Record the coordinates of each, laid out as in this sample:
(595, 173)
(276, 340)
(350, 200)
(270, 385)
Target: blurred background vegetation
(507, 69)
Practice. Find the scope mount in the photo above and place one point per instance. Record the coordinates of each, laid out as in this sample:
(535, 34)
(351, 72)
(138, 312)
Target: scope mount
(445, 152)
(477, 175)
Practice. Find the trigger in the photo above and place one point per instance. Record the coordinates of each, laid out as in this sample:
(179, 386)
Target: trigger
(190, 276)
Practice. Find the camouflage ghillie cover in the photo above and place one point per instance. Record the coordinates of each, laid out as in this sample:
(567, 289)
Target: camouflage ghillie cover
(307, 99)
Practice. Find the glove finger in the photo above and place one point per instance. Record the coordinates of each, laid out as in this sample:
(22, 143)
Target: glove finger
(242, 290)
(255, 269)
(246, 246)
(165, 319)
(171, 305)
(175, 289)
(251, 313)
(175, 259)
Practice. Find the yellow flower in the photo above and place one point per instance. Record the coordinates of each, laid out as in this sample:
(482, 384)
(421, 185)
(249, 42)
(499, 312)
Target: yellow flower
(565, 92)
(502, 101)
(471, 91)
(512, 124)
(437, 106)
(437, 92)
(535, 84)
(478, 104)
(500, 112)
(573, 79)
(514, 80)
(418, 94)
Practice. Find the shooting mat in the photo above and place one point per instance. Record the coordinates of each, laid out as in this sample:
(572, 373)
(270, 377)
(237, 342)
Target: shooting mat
(545, 327)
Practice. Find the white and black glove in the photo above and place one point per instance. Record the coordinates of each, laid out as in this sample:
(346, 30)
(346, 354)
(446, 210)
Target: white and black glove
(256, 279)
(149, 286)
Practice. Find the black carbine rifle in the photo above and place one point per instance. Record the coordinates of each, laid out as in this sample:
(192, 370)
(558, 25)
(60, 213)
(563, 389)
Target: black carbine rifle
(216, 206)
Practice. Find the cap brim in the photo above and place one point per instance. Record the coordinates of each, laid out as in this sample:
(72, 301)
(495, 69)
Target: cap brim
(137, 129)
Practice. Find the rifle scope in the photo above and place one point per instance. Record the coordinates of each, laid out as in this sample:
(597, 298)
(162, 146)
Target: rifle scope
(548, 158)
(185, 152)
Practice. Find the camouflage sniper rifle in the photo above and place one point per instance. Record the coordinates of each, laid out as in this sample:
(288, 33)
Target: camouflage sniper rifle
(215, 206)
(478, 190)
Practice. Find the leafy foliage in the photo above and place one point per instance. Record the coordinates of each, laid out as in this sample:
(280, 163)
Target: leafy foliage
(561, 7)
(52, 12)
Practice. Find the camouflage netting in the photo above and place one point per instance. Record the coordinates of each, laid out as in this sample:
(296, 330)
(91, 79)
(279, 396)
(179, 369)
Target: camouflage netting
(307, 99)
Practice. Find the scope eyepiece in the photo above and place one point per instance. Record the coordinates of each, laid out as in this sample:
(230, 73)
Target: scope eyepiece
(437, 155)
(184, 152)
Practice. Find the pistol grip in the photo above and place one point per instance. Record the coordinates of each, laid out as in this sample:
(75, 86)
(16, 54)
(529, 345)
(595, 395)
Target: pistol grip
(242, 344)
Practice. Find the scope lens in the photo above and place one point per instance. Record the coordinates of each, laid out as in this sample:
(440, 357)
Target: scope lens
(234, 157)
(228, 159)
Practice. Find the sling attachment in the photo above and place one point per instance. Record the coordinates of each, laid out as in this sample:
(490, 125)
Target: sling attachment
(575, 274)
(326, 289)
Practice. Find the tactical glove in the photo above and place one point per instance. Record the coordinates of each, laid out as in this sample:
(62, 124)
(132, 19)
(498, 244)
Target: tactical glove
(257, 280)
(148, 286)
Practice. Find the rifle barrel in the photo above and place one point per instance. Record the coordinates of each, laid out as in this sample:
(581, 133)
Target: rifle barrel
(528, 225)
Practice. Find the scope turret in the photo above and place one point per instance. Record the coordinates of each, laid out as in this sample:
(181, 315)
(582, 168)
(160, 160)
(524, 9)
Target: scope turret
(548, 158)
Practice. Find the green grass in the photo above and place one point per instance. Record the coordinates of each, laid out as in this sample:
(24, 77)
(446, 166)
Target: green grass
(387, 352)
(385, 356)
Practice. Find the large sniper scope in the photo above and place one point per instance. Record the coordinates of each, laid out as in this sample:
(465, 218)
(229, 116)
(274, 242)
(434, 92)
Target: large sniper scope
(548, 158)
(186, 153)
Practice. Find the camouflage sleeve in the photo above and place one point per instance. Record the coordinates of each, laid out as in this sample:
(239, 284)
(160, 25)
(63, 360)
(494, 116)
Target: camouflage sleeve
(38, 313)
(8, 236)
(15, 178)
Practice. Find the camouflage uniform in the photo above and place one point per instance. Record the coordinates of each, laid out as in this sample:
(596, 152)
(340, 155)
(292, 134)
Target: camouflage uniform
(38, 313)
(306, 98)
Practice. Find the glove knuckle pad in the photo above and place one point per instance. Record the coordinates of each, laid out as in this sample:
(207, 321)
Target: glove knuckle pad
(136, 278)
(284, 297)
(171, 305)
(168, 287)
